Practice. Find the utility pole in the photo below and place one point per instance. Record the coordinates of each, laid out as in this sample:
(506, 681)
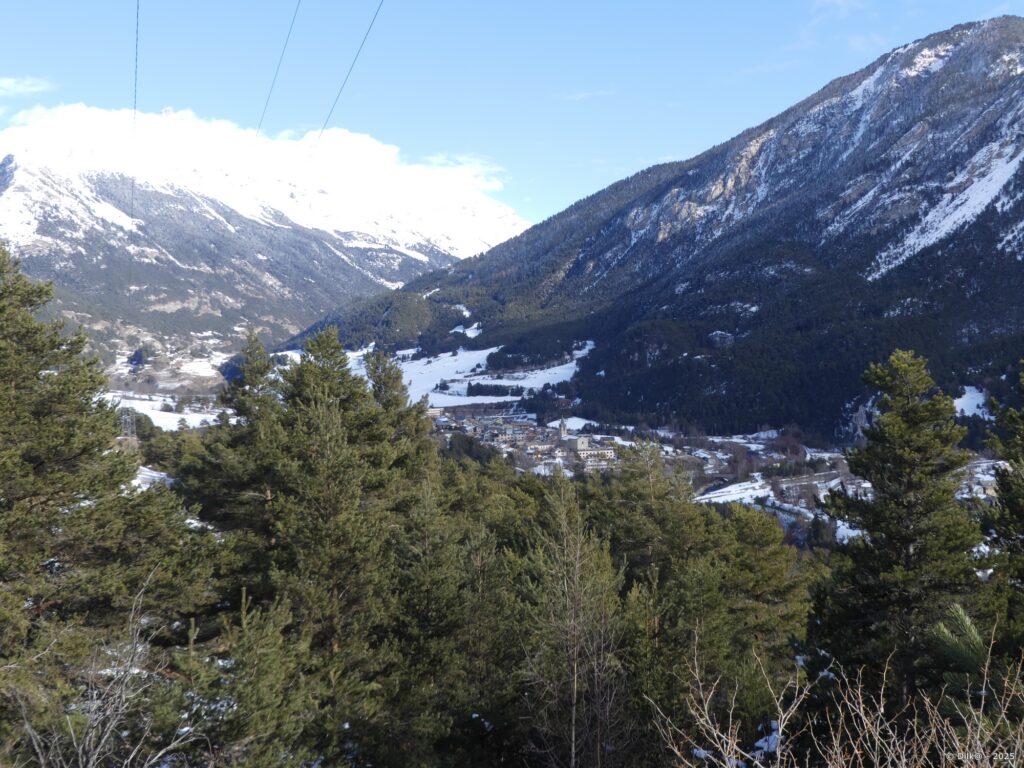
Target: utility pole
(128, 436)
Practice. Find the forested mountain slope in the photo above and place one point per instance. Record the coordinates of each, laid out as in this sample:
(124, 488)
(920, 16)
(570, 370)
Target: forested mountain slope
(754, 282)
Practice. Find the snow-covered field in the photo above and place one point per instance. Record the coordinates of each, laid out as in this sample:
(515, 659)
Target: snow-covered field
(205, 367)
(472, 332)
(152, 406)
(458, 369)
(754, 442)
(757, 492)
(461, 368)
(748, 492)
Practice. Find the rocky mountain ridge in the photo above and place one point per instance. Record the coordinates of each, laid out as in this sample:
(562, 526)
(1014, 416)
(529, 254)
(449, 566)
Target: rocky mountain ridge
(177, 226)
(754, 283)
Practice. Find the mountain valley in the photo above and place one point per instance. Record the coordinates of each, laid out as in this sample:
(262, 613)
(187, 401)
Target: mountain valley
(200, 230)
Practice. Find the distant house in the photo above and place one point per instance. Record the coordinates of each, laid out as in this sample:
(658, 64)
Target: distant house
(579, 443)
(595, 453)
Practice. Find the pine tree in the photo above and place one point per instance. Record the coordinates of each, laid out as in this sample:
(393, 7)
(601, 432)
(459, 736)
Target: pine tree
(232, 475)
(1007, 532)
(978, 684)
(738, 601)
(913, 558)
(328, 488)
(500, 535)
(251, 690)
(646, 513)
(77, 542)
(719, 579)
(577, 689)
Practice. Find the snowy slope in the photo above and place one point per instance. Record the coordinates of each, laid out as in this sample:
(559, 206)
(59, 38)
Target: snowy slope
(170, 223)
(461, 368)
(339, 183)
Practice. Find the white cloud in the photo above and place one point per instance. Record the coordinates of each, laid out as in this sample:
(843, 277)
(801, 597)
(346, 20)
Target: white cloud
(488, 170)
(587, 95)
(341, 181)
(22, 86)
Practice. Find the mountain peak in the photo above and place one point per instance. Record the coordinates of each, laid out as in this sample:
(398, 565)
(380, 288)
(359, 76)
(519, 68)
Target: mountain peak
(164, 224)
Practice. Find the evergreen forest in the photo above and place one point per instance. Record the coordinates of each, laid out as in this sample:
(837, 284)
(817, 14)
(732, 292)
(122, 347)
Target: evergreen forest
(327, 583)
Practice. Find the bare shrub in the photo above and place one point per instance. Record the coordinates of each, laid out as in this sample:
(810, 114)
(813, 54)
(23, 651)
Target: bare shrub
(860, 730)
(111, 723)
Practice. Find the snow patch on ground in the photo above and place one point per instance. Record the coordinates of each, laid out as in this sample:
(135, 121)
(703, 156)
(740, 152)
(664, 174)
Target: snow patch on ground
(972, 403)
(574, 423)
(146, 477)
(749, 492)
(753, 442)
(472, 332)
(1009, 64)
(867, 87)
(973, 189)
(550, 468)
(461, 368)
(205, 367)
(152, 406)
(929, 60)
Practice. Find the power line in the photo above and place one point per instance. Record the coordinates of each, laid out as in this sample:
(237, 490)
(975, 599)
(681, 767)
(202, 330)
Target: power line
(135, 110)
(351, 67)
(278, 69)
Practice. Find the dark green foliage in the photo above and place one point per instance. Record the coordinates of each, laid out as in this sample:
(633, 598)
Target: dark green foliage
(496, 390)
(77, 544)
(256, 697)
(330, 490)
(462, 446)
(977, 679)
(914, 559)
(577, 691)
(1006, 536)
(958, 646)
(356, 596)
(694, 579)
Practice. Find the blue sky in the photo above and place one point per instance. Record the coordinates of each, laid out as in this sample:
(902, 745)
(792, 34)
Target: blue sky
(563, 97)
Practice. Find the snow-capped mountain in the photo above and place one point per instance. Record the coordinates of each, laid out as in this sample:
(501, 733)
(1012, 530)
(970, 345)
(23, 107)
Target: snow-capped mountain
(755, 282)
(167, 224)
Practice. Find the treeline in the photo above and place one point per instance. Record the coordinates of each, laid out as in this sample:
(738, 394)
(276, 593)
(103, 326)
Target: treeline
(494, 390)
(322, 585)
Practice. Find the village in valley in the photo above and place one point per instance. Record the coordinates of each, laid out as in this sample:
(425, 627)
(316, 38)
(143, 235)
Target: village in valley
(772, 469)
